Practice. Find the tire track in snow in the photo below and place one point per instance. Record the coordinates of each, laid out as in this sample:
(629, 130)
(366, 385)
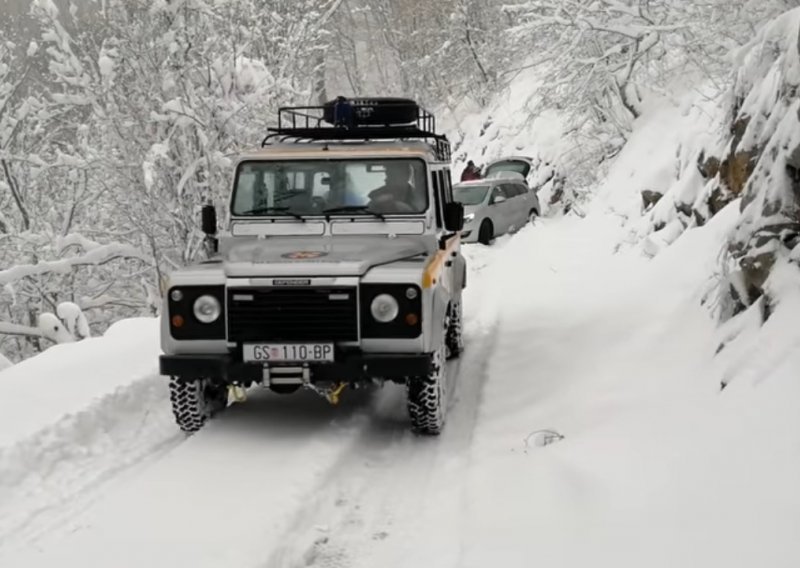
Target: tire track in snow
(78, 481)
(79, 454)
(275, 448)
(365, 508)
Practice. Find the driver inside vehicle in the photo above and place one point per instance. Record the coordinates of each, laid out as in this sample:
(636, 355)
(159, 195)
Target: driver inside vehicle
(397, 195)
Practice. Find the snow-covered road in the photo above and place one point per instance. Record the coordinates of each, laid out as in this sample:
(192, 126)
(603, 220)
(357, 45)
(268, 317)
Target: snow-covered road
(609, 350)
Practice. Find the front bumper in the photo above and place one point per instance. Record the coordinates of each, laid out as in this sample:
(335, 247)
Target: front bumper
(349, 367)
(469, 234)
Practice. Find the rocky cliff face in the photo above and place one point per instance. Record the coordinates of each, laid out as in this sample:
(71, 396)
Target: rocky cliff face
(761, 162)
(741, 150)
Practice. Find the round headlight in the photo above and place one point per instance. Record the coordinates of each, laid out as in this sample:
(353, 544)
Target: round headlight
(207, 309)
(384, 308)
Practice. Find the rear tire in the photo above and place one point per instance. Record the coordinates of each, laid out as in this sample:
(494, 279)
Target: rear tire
(195, 402)
(454, 340)
(486, 232)
(427, 397)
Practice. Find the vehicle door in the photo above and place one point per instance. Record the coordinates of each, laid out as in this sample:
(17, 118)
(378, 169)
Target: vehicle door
(523, 204)
(512, 205)
(454, 271)
(500, 209)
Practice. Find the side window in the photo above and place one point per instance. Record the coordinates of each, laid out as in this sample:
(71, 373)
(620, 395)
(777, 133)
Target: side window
(512, 190)
(448, 186)
(497, 192)
(437, 196)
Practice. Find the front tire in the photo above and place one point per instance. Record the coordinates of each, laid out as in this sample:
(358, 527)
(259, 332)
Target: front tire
(195, 402)
(486, 232)
(427, 400)
(454, 340)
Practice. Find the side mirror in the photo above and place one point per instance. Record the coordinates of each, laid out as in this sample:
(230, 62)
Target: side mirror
(208, 222)
(454, 216)
(498, 199)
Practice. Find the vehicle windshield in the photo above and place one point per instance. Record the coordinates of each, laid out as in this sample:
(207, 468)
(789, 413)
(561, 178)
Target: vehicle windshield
(330, 187)
(470, 194)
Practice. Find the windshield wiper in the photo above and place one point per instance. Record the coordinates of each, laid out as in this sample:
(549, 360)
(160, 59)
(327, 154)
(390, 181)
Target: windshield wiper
(354, 209)
(268, 210)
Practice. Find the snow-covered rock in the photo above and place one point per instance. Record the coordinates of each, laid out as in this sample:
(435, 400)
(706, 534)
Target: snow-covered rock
(707, 152)
(5, 363)
(767, 120)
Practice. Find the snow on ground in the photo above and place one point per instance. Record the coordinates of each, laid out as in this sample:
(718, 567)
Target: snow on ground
(661, 156)
(76, 415)
(586, 427)
(657, 467)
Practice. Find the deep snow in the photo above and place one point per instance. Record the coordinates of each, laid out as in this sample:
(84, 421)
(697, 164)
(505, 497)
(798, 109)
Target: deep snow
(614, 352)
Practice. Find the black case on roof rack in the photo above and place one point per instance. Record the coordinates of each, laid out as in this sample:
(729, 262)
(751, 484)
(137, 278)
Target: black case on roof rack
(378, 118)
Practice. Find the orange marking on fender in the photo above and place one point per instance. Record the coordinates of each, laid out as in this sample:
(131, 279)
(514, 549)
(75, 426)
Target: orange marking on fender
(437, 261)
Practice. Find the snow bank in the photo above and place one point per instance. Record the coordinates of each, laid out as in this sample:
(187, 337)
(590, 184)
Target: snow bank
(654, 182)
(686, 162)
(66, 379)
(610, 358)
(511, 125)
(73, 413)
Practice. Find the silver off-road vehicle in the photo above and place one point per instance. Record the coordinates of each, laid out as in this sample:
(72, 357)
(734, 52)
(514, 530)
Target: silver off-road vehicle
(339, 266)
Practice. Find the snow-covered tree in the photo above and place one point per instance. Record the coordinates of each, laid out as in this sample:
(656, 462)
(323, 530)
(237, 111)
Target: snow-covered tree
(123, 129)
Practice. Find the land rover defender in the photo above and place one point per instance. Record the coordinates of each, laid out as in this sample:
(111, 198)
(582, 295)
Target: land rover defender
(339, 266)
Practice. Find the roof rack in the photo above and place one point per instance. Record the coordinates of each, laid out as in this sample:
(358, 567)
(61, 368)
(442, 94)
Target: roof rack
(359, 119)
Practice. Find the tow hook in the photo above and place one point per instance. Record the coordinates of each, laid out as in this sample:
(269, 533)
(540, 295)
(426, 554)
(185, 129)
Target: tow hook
(335, 393)
(236, 394)
(332, 395)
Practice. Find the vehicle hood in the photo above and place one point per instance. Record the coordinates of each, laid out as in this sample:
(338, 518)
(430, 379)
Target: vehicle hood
(337, 256)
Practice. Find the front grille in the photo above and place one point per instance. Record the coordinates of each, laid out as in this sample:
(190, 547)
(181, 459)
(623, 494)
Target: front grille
(292, 314)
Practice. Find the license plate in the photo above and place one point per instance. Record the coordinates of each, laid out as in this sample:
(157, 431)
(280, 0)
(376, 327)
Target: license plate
(288, 352)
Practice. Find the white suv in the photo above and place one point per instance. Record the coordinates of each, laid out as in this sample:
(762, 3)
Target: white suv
(340, 266)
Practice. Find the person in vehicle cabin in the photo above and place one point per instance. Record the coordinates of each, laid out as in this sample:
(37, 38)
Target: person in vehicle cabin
(471, 172)
(397, 195)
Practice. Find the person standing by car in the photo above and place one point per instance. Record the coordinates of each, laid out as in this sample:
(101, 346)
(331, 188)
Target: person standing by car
(471, 172)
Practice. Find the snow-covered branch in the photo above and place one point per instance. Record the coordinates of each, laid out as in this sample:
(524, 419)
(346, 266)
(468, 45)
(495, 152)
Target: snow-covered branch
(96, 257)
